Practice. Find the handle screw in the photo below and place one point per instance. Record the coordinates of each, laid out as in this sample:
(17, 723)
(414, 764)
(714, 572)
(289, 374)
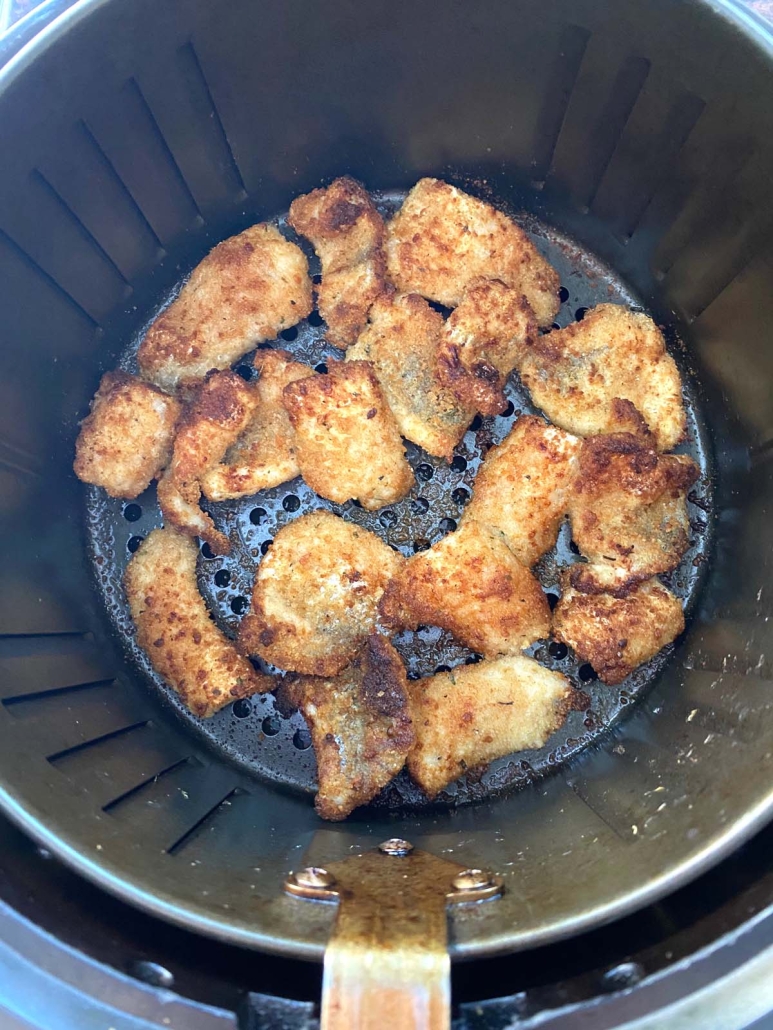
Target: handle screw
(395, 846)
(314, 876)
(472, 880)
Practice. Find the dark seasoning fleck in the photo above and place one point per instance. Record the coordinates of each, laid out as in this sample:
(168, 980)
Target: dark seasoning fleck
(270, 741)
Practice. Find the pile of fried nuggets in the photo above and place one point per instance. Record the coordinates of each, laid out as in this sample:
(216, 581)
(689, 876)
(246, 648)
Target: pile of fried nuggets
(328, 594)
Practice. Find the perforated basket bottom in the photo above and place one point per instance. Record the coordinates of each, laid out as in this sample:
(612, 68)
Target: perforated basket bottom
(275, 745)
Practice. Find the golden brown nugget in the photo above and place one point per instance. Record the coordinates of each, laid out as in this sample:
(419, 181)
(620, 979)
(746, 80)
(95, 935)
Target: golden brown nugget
(576, 374)
(617, 634)
(247, 290)
(523, 487)
(476, 713)
(347, 442)
(360, 727)
(471, 584)
(175, 630)
(316, 593)
(264, 455)
(483, 340)
(628, 512)
(442, 239)
(220, 411)
(347, 233)
(126, 439)
(402, 341)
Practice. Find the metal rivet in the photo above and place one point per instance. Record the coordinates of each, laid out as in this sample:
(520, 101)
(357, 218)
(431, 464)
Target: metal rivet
(395, 846)
(314, 876)
(622, 976)
(152, 973)
(472, 880)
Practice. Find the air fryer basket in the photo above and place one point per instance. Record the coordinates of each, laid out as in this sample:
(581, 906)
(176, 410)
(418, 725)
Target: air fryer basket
(137, 134)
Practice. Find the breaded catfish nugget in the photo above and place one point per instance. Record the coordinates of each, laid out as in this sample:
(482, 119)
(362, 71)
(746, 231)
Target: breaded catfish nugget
(218, 414)
(360, 727)
(347, 232)
(471, 584)
(316, 593)
(247, 290)
(264, 455)
(347, 442)
(628, 512)
(576, 374)
(442, 239)
(476, 713)
(523, 487)
(126, 440)
(175, 630)
(617, 634)
(402, 341)
(483, 340)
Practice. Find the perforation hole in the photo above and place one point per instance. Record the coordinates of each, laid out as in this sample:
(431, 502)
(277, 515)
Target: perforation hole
(321, 368)
(132, 512)
(271, 725)
(580, 314)
(316, 319)
(459, 464)
(257, 515)
(134, 543)
(242, 708)
(222, 578)
(460, 496)
(291, 503)
(239, 605)
(563, 295)
(290, 334)
(302, 739)
(425, 472)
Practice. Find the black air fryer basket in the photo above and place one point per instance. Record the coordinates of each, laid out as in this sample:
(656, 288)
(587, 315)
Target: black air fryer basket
(634, 142)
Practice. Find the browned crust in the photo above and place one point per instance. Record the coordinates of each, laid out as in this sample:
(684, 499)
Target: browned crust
(221, 409)
(124, 442)
(347, 232)
(245, 291)
(628, 511)
(315, 595)
(347, 442)
(175, 630)
(360, 726)
(483, 340)
(617, 634)
(471, 585)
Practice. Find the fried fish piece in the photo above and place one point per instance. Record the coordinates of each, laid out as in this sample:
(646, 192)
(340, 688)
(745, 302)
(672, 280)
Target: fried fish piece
(402, 340)
(442, 239)
(315, 597)
(360, 726)
(617, 634)
(523, 487)
(175, 630)
(471, 584)
(576, 374)
(247, 290)
(220, 411)
(476, 713)
(347, 233)
(483, 340)
(628, 512)
(126, 439)
(347, 443)
(264, 455)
